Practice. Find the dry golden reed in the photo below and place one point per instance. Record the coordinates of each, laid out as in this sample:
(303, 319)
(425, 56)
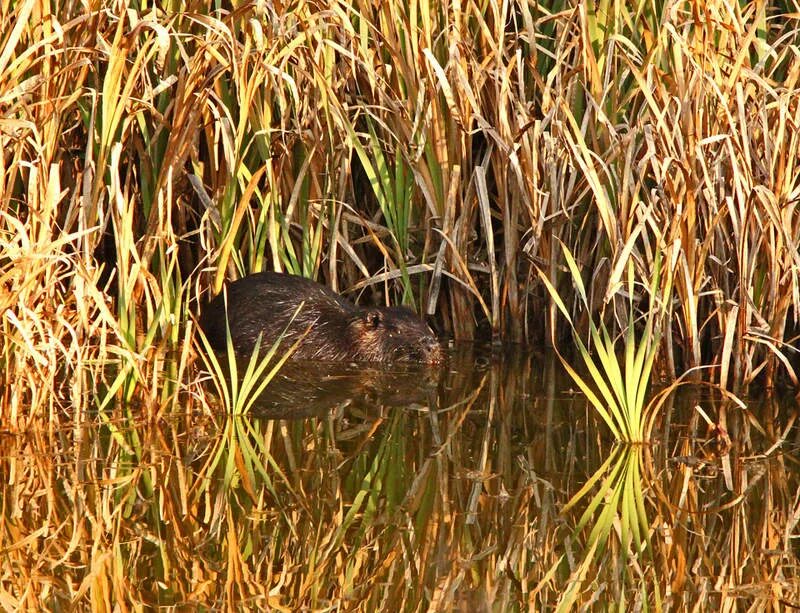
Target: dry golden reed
(433, 153)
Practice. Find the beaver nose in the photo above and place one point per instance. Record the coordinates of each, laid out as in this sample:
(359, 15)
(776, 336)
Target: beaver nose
(434, 350)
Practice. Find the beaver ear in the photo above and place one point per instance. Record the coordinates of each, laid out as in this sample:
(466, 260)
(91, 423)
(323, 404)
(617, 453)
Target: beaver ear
(373, 318)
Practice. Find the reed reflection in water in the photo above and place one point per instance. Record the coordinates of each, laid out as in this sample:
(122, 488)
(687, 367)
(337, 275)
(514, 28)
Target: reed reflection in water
(406, 490)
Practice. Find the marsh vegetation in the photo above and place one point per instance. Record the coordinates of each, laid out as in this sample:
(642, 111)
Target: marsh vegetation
(620, 182)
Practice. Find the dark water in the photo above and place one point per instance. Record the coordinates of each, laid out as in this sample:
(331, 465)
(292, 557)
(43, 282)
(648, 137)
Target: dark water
(351, 489)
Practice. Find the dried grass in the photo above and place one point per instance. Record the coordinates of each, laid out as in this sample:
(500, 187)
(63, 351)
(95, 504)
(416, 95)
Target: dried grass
(432, 153)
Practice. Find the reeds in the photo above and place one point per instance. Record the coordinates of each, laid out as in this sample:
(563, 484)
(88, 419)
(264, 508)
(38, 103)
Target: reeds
(239, 390)
(148, 156)
(435, 155)
(621, 383)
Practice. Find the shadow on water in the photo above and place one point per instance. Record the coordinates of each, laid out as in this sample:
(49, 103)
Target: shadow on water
(302, 390)
(410, 489)
(307, 389)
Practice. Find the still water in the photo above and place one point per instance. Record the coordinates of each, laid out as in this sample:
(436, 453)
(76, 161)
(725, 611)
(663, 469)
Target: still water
(351, 489)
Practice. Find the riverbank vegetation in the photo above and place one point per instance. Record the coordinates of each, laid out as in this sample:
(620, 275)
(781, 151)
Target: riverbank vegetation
(430, 155)
(444, 155)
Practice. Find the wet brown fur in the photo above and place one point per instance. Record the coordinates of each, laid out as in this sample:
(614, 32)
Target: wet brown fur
(331, 328)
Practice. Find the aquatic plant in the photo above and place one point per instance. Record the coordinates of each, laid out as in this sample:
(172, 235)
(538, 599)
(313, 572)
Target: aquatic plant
(618, 393)
(239, 392)
(434, 153)
(152, 156)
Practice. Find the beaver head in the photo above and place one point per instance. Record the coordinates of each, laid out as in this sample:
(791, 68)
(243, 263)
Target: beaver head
(393, 334)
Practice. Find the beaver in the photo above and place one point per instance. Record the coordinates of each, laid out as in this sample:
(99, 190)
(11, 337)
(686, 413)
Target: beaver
(331, 328)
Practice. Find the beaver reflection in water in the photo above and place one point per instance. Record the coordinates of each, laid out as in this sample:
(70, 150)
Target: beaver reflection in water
(264, 303)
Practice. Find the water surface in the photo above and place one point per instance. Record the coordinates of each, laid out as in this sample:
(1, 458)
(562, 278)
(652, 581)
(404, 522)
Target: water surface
(402, 489)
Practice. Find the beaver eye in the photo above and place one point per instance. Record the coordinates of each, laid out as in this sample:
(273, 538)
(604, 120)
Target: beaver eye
(374, 319)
